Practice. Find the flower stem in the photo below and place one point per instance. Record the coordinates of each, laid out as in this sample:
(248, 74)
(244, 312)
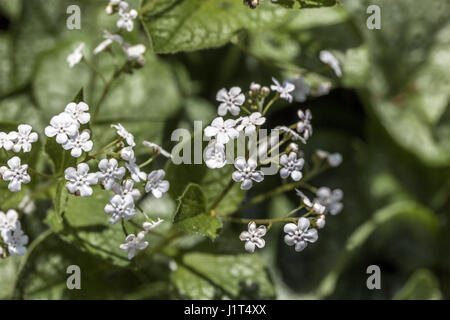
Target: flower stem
(270, 103)
(222, 195)
(93, 68)
(41, 174)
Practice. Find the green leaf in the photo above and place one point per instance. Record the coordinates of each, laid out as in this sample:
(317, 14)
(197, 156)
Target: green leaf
(198, 24)
(61, 159)
(85, 224)
(208, 276)
(60, 199)
(422, 285)
(301, 4)
(192, 214)
(79, 97)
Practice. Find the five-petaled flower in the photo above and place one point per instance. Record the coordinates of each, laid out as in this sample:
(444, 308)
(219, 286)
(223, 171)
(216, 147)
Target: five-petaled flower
(127, 190)
(135, 172)
(79, 180)
(284, 90)
(62, 126)
(23, 138)
(8, 221)
(215, 155)
(16, 240)
(109, 172)
(248, 124)
(231, 101)
(79, 143)
(330, 199)
(156, 184)
(299, 234)
(16, 174)
(5, 141)
(223, 131)
(134, 243)
(120, 207)
(304, 125)
(246, 172)
(121, 131)
(78, 112)
(126, 17)
(291, 166)
(253, 237)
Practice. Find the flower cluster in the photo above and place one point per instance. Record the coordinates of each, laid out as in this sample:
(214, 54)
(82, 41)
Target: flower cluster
(14, 239)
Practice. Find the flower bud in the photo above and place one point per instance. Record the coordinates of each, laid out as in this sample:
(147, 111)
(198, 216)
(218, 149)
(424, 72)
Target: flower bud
(320, 223)
(265, 91)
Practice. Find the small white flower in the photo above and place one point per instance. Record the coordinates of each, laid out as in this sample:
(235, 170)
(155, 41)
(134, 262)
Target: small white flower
(109, 172)
(127, 190)
(148, 226)
(255, 87)
(248, 124)
(302, 89)
(253, 237)
(5, 141)
(16, 174)
(136, 173)
(79, 180)
(320, 222)
(16, 241)
(79, 143)
(246, 172)
(291, 166)
(23, 138)
(231, 101)
(323, 88)
(120, 207)
(157, 149)
(334, 159)
(27, 205)
(135, 53)
(8, 221)
(78, 112)
(134, 243)
(109, 39)
(121, 131)
(127, 153)
(284, 90)
(75, 57)
(322, 154)
(223, 131)
(328, 58)
(156, 184)
(304, 125)
(62, 126)
(293, 147)
(126, 17)
(330, 199)
(215, 155)
(315, 206)
(299, 235)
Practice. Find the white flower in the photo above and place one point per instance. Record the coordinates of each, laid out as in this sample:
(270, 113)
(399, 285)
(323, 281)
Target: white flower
(109, 39)
(62, 126)
(79, 143)
(304, 125)
(156, 184)
(78, 112)
(127, 153)
(8, 221)
(76, 56)
(291, 166)
(246, 172)
(330, 199)
(223, 131)
(157, 149)
(121, 131)
(27, 205)
(215, 155)
(23, 138)
(284, 90)
(5, 141)
(134, 243)
(16, 241)
(320, 222)
(255, 87)
(126, 17)
(111, 5)
(136, 173)
(302, 89)
(299, 235)
(127, 190)
(334, 159)
(16, 173)
(79, 180)
(253, 237)
(109, 172)
(120, 207)
(135, 53)
(248, 124)
(314, 206)
(328, 58)
(230, 101)
(148, 226)
(323, 88)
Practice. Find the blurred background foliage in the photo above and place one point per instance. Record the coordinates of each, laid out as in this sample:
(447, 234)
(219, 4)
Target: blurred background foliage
(389, 116)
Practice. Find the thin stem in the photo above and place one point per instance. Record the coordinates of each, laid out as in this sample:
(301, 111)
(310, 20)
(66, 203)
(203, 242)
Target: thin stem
(222, 195)
(41, 174)
(95, 69)
(147, 7)
(148, 161)
(270, 103)
(259, 221)
(124, 229)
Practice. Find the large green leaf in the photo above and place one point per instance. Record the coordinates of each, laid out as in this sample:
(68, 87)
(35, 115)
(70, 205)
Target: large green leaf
(198, 24)
(422, 285)
(208, 276)
(192, 213)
